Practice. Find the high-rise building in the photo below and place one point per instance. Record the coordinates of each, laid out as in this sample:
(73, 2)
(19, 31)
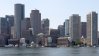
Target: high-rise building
(67, 27)
(28, 23)
(19, 16)
(83, 29)
(23, 28)
(4, 33)
(35, 18)
(75, 27)
(92, 28)
(10, 20)
(61, 30)
(3, 26)
(26, 32)
(45, 26)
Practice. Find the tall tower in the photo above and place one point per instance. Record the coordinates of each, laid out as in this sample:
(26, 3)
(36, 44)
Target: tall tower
(67, 27)
(75, 27)
(45, 26)
(3, 26)
(92, 28)
(35, 18)
(83, 29)
(10, 24)
(61, 30)
(19, 16)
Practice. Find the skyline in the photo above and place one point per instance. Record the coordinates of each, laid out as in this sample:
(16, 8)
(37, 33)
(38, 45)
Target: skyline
(52, 9)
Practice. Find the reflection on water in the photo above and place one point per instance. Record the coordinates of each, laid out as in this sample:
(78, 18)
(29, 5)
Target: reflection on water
(49, 51)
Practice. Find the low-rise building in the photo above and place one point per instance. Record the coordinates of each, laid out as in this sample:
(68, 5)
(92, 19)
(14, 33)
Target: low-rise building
(62, 42)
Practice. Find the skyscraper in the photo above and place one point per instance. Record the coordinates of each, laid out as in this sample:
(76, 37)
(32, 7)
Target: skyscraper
(19, 16)
(35, 18)
(61, 30)
(67, 27)
(28, 24)
(92, 28)
(83, 29)
(10, 20)
(45, 26)
(3, 26)
(75, 27)
(4, 33)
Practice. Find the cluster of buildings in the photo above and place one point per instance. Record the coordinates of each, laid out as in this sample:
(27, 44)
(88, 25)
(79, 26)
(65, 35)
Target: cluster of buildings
(85, 32)
(15, 28)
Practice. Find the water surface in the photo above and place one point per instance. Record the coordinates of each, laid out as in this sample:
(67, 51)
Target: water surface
(49, 51)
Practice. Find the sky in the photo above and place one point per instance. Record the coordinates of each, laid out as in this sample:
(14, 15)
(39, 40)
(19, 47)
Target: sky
(57, 11)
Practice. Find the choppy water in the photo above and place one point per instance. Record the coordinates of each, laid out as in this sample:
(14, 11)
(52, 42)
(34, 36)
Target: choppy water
(49, 51)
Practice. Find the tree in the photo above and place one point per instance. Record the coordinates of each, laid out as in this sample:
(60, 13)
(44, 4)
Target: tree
(78, 42)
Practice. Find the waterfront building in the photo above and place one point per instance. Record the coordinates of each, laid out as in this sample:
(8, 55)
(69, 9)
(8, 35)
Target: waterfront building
(5, 29)
(92, 28)
(54, 34)
(62, 42)
(75, 27)
(49, 41)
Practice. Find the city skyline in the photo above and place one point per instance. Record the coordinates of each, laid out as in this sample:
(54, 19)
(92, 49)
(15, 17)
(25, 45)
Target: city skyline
(56, 9)
(15, 28)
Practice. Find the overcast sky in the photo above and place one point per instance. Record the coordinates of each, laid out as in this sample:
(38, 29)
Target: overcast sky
(56, 10)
